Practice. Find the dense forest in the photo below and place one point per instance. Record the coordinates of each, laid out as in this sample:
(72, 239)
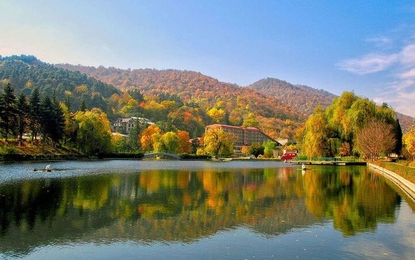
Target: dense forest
(299, 97)
(25, 73)
(180, 103)
(223, 102)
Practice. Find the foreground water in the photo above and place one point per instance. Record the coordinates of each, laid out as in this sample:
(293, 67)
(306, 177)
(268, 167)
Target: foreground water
(201, 210)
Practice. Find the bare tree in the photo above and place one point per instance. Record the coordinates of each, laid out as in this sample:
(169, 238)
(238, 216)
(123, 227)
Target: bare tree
(375, 138)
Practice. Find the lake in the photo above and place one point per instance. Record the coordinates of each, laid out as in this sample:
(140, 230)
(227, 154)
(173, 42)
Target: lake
(127, 209)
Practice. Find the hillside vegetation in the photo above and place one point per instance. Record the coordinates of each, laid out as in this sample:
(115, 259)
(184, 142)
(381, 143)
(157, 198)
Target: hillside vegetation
(25, 73)
(212, 96)
(300, 97)
(306, 99)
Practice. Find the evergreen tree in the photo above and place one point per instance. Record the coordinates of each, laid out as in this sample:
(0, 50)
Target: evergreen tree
(8, 112)
(46, 118)
(34, 113)
(398, 136)
(22, 116)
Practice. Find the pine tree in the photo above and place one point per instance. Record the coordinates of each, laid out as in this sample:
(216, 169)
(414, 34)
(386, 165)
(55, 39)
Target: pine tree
(398, 136)
(34, 113)
(22, 116)
(8, 112)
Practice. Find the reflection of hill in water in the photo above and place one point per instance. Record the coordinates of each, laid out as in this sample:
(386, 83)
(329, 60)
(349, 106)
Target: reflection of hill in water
(189, 226)
(275, 220)
(185, 206)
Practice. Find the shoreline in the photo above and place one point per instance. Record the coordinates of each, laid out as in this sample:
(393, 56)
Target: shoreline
(406, 186)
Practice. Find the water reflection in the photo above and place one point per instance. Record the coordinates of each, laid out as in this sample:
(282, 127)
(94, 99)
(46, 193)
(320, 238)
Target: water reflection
(187, 205)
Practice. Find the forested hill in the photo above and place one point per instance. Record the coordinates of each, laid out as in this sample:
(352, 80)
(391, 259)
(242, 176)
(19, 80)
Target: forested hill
(304, 98)
(299, 97)
(27, 72)
(194, 87)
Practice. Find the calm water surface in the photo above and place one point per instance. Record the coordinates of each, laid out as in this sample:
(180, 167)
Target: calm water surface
(201, 210)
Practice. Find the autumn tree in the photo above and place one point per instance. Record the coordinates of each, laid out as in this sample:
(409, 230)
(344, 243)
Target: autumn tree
(146, 138)
(333, 132)
(184, 142)
(167, 142)
(409, 141)
(316, 129)
(250, 121)
(217, 115)
(218, 142)
(93, 133)
(376, 138)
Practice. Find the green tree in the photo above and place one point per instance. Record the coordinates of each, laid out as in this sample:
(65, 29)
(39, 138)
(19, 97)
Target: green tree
(34, 113)
(269, 147)
(168, 142)
(94, 133)
(8, 112)
(256, 149)
(22, 116)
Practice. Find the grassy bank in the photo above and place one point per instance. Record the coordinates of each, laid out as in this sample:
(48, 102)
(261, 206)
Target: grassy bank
(13, 152)
(400, 168)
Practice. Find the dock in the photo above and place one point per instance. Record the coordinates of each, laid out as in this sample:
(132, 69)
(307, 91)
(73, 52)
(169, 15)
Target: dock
(329, 162)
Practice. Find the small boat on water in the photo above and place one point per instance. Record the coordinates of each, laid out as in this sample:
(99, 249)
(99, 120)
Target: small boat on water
(47, 169)
(304, 168)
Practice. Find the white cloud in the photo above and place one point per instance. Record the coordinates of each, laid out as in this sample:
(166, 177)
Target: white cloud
(407, 55)
(399, 90)
(368, 64)
(408, 74)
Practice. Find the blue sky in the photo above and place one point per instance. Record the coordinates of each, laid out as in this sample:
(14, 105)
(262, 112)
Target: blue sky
(363, 46)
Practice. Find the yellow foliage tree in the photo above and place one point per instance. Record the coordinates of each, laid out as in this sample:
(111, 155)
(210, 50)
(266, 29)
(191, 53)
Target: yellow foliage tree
(409, 141)
(218, 115)
(94, 133)
(146, 138)
(218, 142)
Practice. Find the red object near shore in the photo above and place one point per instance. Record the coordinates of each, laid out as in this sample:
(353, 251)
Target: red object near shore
(288, 156)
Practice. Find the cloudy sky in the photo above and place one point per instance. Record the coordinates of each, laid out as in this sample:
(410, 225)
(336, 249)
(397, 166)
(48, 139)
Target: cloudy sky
(363, 46)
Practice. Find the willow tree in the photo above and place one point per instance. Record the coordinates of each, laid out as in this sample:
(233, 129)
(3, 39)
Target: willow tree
(316, 131)
(334, 131)
(93, 133)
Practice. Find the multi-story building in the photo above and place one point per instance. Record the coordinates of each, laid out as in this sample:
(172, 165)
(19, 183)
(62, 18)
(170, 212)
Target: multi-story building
(124, 125)
(245, 136)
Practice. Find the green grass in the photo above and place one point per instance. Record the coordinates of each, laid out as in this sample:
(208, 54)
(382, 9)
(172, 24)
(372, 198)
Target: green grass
(401, 168)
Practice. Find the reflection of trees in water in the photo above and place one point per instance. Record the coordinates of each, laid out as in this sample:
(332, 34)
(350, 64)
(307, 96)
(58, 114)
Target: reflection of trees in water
(164, 205)
(355, 199)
